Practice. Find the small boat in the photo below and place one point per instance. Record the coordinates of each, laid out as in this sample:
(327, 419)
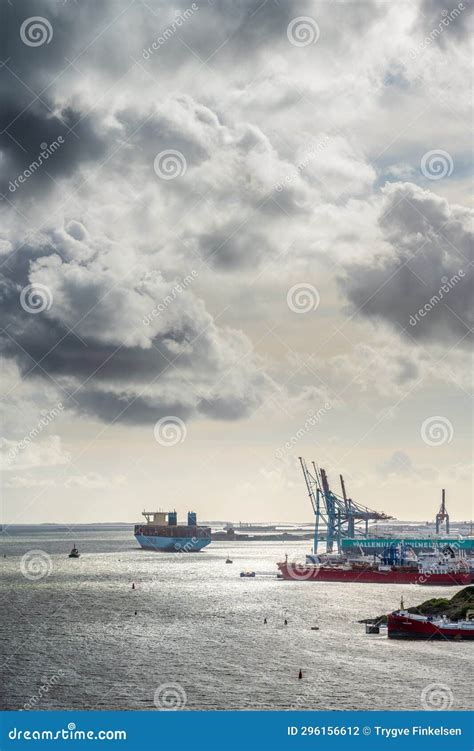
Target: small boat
(314, 628)
(228, 560)
(250, 574)
(74, 553)
(372, 628)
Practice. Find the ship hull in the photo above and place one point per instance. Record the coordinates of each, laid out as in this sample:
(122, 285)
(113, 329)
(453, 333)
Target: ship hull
(404, 627)
(296, 572)
(172, 544)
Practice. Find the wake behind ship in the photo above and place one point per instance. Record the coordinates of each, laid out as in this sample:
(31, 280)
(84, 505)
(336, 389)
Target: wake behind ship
(162, 532)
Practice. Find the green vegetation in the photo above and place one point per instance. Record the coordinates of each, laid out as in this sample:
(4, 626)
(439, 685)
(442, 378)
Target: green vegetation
(455, 608)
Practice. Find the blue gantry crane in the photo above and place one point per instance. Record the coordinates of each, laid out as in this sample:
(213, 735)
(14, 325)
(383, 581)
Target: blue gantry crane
(341, 516)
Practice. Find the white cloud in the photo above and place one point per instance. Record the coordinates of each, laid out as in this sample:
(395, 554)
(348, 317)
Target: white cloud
(29, 453)
(91, 481)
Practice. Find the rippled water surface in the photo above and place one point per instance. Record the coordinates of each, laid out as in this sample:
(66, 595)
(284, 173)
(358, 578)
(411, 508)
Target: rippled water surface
(72, 640)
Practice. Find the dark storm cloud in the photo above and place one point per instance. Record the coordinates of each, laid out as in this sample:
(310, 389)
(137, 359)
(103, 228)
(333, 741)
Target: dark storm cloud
(106, 382)
(35, 81)
(261, 24)
(45, 343)
(31, 119)
(123, 347)
(258, 23)
(47, 347)
(38, 148)
(128, 407)
(220, 31)
(425, 285)
(73, 25)
(134, 408)
(127, 30)
(228, 26)
(452, 20)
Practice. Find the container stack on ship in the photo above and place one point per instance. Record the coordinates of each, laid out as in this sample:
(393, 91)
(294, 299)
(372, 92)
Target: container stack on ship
(163, 533)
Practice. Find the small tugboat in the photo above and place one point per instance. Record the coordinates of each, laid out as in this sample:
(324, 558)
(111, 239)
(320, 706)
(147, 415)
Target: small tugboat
(74, 553)
(404, 625)
(250, 574)
(229, 560)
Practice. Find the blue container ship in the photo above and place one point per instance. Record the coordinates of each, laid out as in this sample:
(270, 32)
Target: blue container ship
(162, 532)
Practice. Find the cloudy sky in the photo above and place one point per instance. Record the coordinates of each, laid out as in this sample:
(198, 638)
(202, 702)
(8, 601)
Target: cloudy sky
(234, 232)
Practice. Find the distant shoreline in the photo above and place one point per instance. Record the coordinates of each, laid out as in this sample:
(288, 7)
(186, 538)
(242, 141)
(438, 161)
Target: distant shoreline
(223, 522)
(279, 527)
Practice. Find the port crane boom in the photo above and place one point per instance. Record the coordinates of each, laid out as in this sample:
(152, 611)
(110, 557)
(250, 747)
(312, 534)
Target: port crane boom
(442, 515)
(341, 516)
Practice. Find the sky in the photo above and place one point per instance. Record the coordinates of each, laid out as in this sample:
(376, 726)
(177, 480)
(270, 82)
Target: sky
(234, 233)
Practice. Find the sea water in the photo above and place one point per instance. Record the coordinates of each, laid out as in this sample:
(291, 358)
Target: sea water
(69, 636)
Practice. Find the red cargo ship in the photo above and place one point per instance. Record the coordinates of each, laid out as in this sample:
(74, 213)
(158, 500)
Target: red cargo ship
(404, 625)
(452, 573)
